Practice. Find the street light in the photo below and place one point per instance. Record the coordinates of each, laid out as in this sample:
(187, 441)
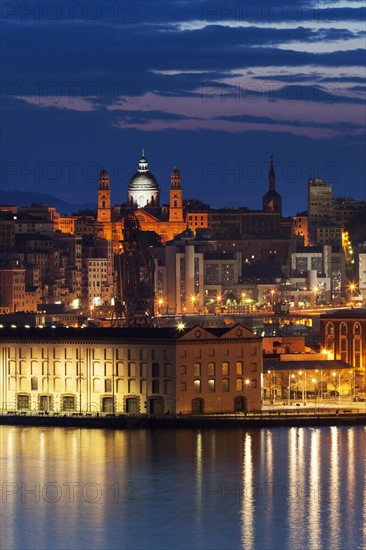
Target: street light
(353, 382)
(289, 386)
(351, 288)
(80, 378)
(160, 303)
(321, 382)
(334, 374)
(303, 387)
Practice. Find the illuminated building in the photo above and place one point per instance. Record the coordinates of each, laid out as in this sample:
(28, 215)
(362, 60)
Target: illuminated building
(143, 199)
(130, 371)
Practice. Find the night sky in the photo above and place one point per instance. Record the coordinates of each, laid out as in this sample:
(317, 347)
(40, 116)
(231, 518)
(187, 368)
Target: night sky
(214, 88)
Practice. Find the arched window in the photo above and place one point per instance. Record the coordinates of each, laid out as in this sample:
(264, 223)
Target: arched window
(343, 329)
(211, 385)
(211, 369)
(197, 386)
(330, 329)
(34, 383)
(198, 405)
(357, 329)
(225, 385)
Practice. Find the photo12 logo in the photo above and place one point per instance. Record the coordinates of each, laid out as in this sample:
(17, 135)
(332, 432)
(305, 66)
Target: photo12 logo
(118, 12)
(268, 12)
(69, 492)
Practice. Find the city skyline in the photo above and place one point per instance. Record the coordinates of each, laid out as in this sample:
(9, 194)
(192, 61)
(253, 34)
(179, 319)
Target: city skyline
(119, 76)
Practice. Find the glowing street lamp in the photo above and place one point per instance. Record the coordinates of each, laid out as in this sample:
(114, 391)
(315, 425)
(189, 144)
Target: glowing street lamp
(289, 386)
(321, 382)
(160, 303)
(334, 374)
(352, 287)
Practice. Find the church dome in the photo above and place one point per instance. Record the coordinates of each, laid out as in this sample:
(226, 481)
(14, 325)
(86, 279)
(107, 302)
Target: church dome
(143, 190)
(143, 178)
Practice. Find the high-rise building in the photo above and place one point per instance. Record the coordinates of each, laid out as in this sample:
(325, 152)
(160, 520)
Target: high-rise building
(320, 207)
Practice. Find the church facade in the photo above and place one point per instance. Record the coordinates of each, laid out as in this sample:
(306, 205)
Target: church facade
(143, 200)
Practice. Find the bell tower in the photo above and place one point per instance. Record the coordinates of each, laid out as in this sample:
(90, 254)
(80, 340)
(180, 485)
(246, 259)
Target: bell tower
(104, 198)
(176, 197)
(272, 201)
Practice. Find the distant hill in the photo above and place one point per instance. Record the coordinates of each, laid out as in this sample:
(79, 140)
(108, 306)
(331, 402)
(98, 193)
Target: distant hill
(26, 198)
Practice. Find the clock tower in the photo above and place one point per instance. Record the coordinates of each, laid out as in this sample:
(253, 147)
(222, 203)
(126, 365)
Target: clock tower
(176, 197)
(104, 198)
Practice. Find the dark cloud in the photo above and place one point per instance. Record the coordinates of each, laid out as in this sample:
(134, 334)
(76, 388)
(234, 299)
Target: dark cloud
(135, 48)
(338, 126)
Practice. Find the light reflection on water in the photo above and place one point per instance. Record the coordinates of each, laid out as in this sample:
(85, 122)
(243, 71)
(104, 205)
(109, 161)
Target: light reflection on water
(297, 488)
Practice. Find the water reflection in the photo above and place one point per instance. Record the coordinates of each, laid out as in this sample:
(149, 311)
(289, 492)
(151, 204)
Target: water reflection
(315, 525)
(248, 495)
(333, 496)
(259, 489)
(294, 491)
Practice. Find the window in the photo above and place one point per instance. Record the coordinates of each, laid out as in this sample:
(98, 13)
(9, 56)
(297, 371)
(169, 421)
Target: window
(225, 385)
(197, 386)
(108, 385)
(167, 370)
(198, 406)
(357, 329)
(253, 367)
(45, 403)
(239, 384)
(68, 403)
(197, 369)
(240, 403)
(34, 383)
(155, 370)
(23, 401)
(253, 383)
(183, 369)
(211, 369)
(155, 386)
(239, 367)
(343, 329)
(143, 370)
(183, 386)
(131, 386)
(131, 369)
(211, 385)
(168, 386)
(225, 368)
